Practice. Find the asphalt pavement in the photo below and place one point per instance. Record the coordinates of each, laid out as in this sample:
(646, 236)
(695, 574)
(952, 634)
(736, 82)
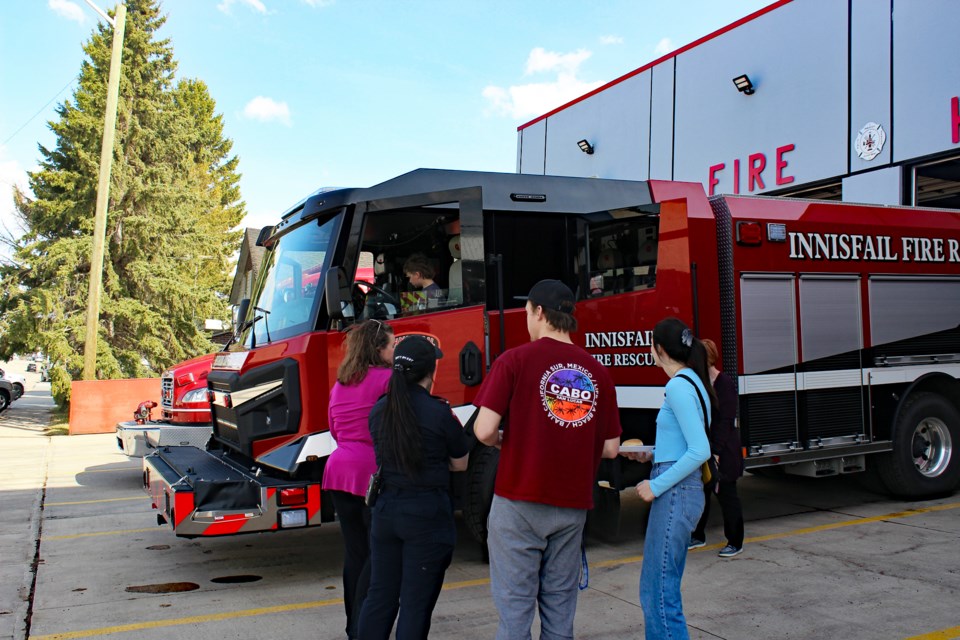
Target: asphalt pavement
(81, 556)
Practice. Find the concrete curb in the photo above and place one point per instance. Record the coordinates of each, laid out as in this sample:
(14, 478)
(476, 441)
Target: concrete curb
(28, 582)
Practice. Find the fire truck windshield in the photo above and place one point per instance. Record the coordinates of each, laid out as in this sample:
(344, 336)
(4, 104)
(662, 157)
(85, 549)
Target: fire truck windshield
(285, 301)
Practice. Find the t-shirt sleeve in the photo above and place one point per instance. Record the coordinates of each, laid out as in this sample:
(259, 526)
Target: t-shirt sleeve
(497, 389)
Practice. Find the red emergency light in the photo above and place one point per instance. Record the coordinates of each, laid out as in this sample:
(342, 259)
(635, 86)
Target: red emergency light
(749, 233)
(292, 496)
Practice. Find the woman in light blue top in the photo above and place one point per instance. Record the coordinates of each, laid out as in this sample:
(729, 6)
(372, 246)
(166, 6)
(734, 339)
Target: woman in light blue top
(675, 487)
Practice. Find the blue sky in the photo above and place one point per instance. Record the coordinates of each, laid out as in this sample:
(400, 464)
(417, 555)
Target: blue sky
(352, 92)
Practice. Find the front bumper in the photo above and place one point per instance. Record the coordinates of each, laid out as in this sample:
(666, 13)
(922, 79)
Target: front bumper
(137, 440)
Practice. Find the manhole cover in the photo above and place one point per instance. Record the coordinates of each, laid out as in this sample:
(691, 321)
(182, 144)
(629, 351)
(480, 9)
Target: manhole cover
(158, 547)
(164, 587)
(235, 579)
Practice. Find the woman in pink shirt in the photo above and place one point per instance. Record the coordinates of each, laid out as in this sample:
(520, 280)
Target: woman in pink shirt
(363, 377)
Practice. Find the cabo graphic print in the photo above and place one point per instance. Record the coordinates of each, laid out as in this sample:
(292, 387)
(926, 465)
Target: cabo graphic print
(569, 394)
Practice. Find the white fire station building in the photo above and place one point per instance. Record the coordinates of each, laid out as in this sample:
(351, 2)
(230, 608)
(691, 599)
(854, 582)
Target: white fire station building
(856, 100)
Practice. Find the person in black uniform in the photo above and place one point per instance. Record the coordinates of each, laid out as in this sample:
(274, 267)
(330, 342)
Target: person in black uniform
(417, 441)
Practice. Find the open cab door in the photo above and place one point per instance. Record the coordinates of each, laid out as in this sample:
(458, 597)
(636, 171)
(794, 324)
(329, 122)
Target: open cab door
(436, 237)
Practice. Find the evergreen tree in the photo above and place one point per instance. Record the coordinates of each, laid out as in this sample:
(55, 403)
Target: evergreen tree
(174, 200)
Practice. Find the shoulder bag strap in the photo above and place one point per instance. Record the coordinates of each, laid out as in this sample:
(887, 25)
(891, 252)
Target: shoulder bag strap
(703, 405)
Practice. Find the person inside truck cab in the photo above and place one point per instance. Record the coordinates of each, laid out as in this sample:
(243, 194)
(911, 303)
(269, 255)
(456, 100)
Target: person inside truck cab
(420, 272)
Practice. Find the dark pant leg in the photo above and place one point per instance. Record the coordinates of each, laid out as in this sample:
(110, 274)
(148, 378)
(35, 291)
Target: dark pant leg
(386, 570)
(354, 517)
(363, 586)
(700, 533)
(429, 537)
(732, 513)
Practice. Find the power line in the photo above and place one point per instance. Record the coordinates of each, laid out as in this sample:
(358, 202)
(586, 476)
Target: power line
(66, 86)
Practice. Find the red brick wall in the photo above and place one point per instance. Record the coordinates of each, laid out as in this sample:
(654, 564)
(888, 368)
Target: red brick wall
(96, 406)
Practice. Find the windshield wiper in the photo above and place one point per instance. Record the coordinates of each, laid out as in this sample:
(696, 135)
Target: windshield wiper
(240, 329)
(266, 325)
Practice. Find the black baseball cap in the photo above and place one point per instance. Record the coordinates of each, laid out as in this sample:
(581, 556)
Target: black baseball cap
(417, 354)
(553, 295)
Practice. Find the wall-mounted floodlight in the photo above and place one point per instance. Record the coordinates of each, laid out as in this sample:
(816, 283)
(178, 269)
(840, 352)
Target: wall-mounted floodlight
(744, 85)
(586, 147)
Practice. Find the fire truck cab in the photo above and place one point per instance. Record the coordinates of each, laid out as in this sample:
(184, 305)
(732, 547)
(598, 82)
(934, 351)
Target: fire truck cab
(184, 412)
(838, 353)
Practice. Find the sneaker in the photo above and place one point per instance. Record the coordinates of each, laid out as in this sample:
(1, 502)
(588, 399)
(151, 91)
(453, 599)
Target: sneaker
(696, 544)
(729, 551)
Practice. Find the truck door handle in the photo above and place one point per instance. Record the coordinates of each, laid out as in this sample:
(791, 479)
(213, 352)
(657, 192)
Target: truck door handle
(470, 372)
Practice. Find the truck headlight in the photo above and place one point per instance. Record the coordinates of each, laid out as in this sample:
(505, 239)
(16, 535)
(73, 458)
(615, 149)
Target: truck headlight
(293, 518)
(197, 395)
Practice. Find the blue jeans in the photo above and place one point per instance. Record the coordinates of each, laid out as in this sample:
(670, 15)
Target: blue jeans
(673, 516)
(534, 563)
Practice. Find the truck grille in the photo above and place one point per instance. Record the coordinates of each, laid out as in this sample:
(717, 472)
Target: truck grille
(166, 392)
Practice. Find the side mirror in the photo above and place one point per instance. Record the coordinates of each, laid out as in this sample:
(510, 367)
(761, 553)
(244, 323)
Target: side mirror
(336, 291)
(264, 235)
(242, 309)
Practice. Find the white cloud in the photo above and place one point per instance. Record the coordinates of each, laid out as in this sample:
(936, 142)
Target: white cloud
(256, 5)
(11, 173)
(537, 98)
(663, 47)
(67, 9)
(267, 110)
(541, 60)
(611, 39)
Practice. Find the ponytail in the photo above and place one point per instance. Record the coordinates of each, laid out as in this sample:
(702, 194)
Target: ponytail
(400, 432)
(678, 342)
(698, 362)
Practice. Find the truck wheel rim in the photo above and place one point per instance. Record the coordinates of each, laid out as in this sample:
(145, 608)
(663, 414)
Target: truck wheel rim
(932, 447)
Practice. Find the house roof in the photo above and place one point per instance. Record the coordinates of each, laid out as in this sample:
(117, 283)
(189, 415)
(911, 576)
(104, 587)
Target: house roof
(250, 258)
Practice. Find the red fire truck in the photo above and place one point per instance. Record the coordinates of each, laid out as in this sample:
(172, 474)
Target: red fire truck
(838, 321)
(184, 411)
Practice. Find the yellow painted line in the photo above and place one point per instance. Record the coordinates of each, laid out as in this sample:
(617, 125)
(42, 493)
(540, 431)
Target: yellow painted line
(155, 624)
(799, 532)
(943, 634)
(108, 470)
(64, 504)
(73, 474)
(214, 617)
(74, 536)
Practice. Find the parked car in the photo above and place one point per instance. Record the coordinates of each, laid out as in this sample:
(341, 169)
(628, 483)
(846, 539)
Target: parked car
(17, 381)
(6, 394)
(32, 367)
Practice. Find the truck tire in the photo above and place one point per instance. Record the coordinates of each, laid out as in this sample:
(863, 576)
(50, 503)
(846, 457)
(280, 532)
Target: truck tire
(17, 390)
(481, 476)
(4, 400)
(924, 461)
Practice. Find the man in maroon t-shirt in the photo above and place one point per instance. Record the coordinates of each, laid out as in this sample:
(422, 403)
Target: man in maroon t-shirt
(559, 412)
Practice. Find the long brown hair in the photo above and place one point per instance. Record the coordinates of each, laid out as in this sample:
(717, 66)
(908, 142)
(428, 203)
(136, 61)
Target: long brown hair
(364, 342)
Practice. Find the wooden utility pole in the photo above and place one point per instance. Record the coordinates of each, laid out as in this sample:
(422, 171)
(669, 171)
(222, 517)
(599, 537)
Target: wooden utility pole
(103, 196)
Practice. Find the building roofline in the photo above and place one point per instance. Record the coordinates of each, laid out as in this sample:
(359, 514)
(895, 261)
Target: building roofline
(753, 16)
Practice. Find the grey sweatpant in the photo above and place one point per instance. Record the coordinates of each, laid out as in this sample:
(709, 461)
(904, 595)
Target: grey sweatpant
(534, 561)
